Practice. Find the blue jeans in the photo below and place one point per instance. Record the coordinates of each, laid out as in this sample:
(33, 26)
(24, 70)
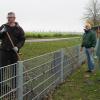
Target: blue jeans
(90, 59)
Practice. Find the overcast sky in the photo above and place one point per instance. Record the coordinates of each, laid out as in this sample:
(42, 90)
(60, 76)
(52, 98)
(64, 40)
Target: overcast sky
(60, 15)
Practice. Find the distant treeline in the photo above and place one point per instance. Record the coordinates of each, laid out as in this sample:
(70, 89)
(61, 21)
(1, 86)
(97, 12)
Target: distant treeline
(51, 35)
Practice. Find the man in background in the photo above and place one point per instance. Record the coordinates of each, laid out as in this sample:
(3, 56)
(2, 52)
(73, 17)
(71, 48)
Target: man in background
(89, 43)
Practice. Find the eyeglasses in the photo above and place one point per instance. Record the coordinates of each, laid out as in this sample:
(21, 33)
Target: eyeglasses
(10, 17)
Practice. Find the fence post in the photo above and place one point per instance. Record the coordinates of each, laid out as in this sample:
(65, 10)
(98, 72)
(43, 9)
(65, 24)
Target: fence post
(79, 54)
(62, 65)
(20, 80)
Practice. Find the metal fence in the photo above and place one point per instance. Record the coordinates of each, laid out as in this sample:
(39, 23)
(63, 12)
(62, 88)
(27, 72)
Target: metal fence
(34, 78)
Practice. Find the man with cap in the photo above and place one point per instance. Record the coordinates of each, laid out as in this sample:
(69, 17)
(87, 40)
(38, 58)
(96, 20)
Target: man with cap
(89, 43)
(8, 51)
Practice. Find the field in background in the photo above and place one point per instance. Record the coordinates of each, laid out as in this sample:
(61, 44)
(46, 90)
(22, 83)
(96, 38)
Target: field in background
(38, 48)
(51, 35)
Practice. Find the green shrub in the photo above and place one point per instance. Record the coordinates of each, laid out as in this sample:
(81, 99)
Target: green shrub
(50, 35)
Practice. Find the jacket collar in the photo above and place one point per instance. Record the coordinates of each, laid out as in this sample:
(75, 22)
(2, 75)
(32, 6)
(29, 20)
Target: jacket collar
(87, 31)
(16, 24)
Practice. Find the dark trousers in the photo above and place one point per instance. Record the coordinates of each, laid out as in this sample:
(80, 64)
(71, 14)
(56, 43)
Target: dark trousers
(7, 58)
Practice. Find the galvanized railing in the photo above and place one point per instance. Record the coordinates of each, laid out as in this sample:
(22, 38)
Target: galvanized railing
(34, 78)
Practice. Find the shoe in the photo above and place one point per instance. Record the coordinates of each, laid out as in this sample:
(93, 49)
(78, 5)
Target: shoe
(89, 71)
(98, 80)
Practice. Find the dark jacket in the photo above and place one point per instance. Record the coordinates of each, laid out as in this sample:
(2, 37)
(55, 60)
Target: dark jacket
(98, 48)
(17, 35)
(89, 39)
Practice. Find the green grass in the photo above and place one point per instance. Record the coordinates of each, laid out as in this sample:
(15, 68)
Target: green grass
(80, 86)
(35, 49)
(50, 35)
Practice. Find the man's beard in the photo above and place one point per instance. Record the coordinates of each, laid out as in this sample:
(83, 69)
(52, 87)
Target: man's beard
(11, 23)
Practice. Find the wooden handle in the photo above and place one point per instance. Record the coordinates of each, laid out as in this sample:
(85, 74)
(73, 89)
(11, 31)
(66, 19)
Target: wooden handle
(13, 45)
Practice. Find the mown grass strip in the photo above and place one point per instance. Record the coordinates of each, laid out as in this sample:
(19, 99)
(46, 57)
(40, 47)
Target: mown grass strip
(80, 86)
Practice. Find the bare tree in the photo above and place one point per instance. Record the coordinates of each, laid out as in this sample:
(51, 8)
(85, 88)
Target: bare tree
(93, 12)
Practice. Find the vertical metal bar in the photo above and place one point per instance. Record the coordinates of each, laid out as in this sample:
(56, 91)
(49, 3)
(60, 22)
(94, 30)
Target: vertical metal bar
(62, 65)
(20, 80)
(80, 54)
(99, 62)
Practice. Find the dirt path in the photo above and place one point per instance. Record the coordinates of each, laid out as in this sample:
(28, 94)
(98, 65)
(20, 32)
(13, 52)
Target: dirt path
(48, 40)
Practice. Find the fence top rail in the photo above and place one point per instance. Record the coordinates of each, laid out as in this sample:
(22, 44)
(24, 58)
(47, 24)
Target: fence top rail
(49, 53)
(41, 55)
(72, 47)
(8, 66)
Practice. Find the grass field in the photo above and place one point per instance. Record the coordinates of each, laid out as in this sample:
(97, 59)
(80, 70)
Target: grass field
(80, 86)
(38, 48)
(50, 35)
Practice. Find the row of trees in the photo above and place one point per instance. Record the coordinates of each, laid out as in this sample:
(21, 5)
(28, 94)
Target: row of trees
(92, 14)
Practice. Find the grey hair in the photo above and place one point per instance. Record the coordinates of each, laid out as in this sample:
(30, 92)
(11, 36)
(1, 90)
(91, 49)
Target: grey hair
(11, 13)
